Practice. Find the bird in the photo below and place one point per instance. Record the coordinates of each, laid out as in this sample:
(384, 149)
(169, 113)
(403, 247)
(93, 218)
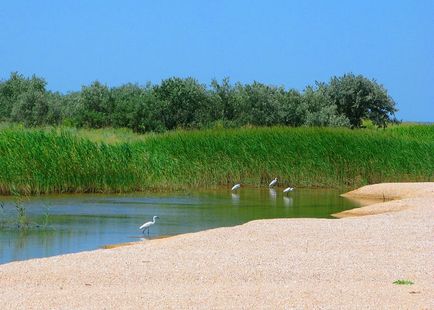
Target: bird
(272, 183)
(288, 189)
(147, 225)
(235, 187)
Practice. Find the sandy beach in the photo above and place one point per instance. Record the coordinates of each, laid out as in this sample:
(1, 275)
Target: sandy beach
(346, 263)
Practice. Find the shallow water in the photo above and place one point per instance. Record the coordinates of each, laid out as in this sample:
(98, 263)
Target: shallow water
(73, 223)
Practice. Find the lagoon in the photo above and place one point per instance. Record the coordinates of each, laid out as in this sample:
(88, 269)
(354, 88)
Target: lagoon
(61, 224)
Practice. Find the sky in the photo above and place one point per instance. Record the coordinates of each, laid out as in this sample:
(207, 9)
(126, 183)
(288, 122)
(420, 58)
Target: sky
(283, 43)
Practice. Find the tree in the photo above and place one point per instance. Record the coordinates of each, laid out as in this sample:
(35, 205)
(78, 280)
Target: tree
(359, 98)
(54, 115)
(126, 98)
(264, 105)
(70, 109)
(29, 100)
(95, 106)
(319, 111)
(187, 103)
(19, 96)
(138, 108)
(293, 109)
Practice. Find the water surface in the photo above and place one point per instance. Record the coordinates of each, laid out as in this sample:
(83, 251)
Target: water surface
(73, 223)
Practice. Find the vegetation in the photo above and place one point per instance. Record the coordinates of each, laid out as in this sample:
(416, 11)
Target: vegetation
(403, 282)
(22, 221)
(71, 160)
(184, 103)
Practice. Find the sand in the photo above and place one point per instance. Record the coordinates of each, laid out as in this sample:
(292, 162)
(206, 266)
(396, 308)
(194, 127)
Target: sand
(348, 263)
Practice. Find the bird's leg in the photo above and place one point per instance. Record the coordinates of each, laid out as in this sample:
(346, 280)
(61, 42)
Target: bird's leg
(148, 231)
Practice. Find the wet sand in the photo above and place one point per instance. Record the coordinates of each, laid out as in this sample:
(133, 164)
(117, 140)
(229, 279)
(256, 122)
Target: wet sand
(273, 264)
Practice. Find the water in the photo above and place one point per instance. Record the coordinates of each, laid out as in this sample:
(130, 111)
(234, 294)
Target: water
(73, 223)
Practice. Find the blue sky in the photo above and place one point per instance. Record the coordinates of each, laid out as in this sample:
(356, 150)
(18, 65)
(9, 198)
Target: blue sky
(289, 43)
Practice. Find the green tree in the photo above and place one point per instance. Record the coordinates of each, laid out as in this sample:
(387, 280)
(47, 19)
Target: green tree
(187, 103)
(294, 112)
(19, 96)
(149, 114)
(70, 109)
(223, 95)
(95, 106)
(264, 105)
(29, 100)
(126, 98)
(54, 114)
(319, 111)
(359, 98)
(138, 108)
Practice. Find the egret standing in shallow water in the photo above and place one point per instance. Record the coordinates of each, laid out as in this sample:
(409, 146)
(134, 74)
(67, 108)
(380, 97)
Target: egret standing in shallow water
(287, 190)
(272, 183)
(147, 225)
(235, 187)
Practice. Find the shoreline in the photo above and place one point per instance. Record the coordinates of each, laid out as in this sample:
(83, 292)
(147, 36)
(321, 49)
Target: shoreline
(386, 198)
(351, 262)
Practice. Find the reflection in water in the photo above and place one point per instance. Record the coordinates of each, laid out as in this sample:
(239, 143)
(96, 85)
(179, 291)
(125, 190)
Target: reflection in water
(86, 222)
(273, 194)
(235, 198)
(287, 201)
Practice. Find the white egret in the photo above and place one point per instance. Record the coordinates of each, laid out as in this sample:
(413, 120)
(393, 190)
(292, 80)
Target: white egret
(272, 183)
(147, 225)
(288, 189)
(235, 187)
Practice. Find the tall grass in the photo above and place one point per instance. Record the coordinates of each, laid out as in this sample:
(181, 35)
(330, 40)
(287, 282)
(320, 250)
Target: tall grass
(42, 161)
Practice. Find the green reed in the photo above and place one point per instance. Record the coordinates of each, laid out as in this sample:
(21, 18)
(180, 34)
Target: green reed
(59, 160)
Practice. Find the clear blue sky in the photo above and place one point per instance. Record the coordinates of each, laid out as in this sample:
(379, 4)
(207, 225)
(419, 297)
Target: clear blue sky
(289, 43)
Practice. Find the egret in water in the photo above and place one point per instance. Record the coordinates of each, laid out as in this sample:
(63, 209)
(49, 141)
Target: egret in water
(147, 225)
(235, 187)
(288, 189)
(272, 183)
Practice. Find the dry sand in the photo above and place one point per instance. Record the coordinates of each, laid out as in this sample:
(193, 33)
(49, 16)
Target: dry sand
(348, 263)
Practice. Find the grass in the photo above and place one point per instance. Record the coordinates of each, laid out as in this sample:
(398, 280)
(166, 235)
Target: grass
(403, 282)
(34, 161)
(21, 221)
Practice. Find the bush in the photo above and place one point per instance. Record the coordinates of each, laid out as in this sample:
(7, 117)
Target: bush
(95, 106)
(359, 98)
(185, 103)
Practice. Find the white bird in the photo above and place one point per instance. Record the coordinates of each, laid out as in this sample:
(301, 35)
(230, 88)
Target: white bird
(288, 189)
(272, 183)
(235, 187)
(147, 225)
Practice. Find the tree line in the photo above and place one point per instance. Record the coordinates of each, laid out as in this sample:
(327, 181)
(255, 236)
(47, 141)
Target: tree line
(185, 103)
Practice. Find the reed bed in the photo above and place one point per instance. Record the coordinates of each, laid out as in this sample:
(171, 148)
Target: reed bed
(35, 161)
